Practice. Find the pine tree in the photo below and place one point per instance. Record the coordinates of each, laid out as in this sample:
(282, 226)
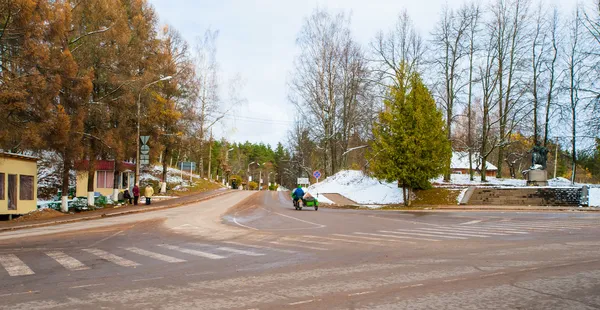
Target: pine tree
(410, 145)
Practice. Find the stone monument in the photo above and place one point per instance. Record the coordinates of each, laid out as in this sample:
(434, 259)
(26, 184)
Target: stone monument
(537, 174)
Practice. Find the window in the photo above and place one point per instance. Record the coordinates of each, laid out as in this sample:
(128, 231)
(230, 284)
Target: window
(26, 187)
(105, 179)
(12, 192)
(2, 186)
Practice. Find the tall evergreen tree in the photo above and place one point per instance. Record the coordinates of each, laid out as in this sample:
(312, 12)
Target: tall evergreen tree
(410, 145)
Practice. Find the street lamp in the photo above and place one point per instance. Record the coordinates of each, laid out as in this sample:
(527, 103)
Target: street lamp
(139, 103)
(248, 177)
(260, 176)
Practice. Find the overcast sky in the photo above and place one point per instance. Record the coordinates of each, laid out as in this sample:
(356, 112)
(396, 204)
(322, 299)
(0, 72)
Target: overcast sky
(257, 41)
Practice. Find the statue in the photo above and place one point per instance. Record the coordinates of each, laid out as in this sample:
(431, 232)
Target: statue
(539, 157)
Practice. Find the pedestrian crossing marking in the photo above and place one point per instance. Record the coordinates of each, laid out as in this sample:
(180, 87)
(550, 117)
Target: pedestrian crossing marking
(306, 241)
(112, 258)
(14, 266)
(243, 252)
(259, 247)
(372, 238)
(158, 256)
(344, 240)
(395, 236)
(298, 245)
(67, 261)
(453, 233)
(466, 231)
(192, 252)
(421, 234)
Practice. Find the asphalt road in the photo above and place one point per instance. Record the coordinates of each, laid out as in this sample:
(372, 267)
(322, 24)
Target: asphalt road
(263, 254)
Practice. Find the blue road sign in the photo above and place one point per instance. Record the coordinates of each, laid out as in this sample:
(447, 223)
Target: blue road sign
(317, 174)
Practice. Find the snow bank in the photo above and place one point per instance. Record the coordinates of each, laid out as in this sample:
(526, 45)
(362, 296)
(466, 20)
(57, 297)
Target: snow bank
(356, 186)
(594, 197)
(463, 179)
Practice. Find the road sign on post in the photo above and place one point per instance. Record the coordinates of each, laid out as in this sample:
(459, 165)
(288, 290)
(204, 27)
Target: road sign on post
(303, 181)
(144, 151)
(317, 175)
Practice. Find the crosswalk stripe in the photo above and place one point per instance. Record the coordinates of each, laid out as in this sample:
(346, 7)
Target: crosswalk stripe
(67, 261)
(524, 228)
(372, 238)
(259, 247)
(162, 257)
(305, 241)
(345, 240)
(14, 266)
(453, 233)
(191, 252)
(394, 236)
(421, 234)
(535, 225)
(468, 231)
(297, 245)
(112, 258)
(232, 250)
(501, 230)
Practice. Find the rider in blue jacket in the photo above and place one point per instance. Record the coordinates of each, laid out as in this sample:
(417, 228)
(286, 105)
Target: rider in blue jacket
(298, 193)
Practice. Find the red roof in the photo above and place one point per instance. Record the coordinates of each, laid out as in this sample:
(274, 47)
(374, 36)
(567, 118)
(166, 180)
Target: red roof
(103, 165)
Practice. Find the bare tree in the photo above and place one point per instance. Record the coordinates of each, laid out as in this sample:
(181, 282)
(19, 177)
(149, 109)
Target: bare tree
(575, 62)
(329, 84)
(450, 37)
(551, 66)
(474, 13)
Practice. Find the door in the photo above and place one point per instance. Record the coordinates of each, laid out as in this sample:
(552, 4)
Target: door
(12, 192)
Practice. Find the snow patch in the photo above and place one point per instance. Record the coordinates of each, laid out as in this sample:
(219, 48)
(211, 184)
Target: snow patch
(594, 197)
(461, 195)
(361, 188)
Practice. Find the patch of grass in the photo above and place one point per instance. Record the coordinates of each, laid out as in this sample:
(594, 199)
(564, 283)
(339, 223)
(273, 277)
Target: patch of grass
(435, 197)
(199, 185)
(403, 207)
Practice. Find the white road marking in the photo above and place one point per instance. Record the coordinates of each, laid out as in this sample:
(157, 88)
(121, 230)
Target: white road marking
(410, 286)
(468, 231)
(14, 266)
(517, 228)
(452, 233)
(454, 280)
(232, 250)
(375, 239)
(344, 240)
(192, 252)
(87, 285)
(299, 246)
(492, 274)
(304, 241)
(534, 225)
(21, 293)
(301, 302)
(67, 261)
(497, 229)
(240, 224)
(147, 279)
(112, 258)
(471, 222)
(260, 247)
(297, 219)
(361, 293)
(395, 236)
(421, 234)
(164, 258)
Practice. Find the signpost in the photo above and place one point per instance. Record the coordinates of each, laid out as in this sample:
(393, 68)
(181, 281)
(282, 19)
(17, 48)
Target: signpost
(303, 181)
(187, 166)
(144, 151)
(317, 175)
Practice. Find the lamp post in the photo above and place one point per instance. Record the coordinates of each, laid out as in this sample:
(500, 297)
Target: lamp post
(260, 176)
(139, 103)
(248, 184)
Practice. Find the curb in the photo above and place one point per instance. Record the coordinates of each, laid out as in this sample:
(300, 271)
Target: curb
(100, 216)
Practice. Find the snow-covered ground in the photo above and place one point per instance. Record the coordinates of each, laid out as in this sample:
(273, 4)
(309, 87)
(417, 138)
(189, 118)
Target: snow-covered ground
(594, 197)
(463, 180)
(356, 186)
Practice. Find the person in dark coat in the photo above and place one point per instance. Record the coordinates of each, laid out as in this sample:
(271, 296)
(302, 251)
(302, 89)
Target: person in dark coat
(127, 197)
(136, 194)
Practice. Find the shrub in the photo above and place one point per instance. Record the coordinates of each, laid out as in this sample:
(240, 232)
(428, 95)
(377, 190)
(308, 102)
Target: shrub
(273, 187)
(253, 185)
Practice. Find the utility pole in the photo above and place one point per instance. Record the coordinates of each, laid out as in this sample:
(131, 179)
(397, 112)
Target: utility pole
(210, 155)
(555, 157)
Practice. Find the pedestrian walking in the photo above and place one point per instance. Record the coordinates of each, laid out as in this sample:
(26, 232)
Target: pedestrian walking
(136, 194)
(148, 192)
(127, 197)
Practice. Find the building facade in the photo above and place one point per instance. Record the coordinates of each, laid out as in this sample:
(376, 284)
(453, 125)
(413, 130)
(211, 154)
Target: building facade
(18, 184)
